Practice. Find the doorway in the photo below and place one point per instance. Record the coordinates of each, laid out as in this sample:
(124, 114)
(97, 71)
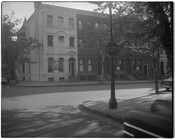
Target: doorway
(146, 69)
(72, 66)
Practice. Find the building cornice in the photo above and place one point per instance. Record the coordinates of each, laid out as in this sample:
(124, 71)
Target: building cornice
(76, 11)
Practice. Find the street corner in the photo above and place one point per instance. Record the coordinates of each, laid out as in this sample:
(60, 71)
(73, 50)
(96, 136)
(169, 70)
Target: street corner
(101, 108)
(95, 107)
(99, 105)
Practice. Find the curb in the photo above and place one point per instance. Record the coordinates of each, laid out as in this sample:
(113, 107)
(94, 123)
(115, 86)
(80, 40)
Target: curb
(56, 85)
(102, 114)
(105, 114)
(63, 85)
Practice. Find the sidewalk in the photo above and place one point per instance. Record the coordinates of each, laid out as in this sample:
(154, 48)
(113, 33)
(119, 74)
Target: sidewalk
(143, 103)
(66, 83)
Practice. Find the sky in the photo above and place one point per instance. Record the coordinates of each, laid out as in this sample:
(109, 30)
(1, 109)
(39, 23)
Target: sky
(24, 9)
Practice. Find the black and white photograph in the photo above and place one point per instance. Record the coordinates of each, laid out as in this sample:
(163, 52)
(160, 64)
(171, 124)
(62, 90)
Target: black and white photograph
(87, 69)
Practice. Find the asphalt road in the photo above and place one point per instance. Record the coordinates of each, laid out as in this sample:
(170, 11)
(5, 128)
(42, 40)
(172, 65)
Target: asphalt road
(54, 111)
(12, 91)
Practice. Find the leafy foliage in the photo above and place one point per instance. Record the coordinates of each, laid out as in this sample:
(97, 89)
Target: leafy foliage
(137, 24)
(12, 47)
(98, 46)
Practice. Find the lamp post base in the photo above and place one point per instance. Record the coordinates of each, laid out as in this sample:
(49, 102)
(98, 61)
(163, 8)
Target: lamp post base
(112, 103)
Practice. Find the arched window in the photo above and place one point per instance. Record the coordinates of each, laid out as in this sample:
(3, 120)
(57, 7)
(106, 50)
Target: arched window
(61, 64)
(50, 64)
(89, 64)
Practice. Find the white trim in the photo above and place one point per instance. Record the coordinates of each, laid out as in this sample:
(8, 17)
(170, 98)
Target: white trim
(142, 130)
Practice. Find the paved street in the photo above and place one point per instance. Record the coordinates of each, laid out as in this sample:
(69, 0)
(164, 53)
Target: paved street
(14, 91)
(53, 111)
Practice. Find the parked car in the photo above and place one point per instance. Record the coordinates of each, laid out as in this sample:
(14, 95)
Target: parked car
(158, 122)
(163, 107)
(166, 83)
(3, 80)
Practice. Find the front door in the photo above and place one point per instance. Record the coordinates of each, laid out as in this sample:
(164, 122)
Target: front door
(146, 69)
(72, 66)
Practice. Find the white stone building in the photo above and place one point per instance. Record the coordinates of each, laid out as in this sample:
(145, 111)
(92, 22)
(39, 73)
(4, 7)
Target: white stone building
(57, 59)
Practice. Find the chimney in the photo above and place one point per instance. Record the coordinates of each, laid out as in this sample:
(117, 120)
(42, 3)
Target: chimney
(37, 4)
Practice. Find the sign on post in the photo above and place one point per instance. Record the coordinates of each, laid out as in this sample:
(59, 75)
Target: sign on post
(112, 48)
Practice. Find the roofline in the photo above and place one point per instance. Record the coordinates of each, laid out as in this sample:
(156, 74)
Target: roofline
(77, 11)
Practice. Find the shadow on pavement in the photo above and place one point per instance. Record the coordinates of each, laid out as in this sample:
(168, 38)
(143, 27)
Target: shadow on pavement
(54, 121)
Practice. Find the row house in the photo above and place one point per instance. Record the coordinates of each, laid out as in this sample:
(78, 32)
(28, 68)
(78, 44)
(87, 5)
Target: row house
(67, 38)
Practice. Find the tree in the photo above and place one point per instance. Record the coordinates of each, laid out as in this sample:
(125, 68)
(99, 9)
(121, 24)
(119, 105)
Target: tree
(140, 22)
(163, 14)
(9, 47)
(13, 47)
(144, 26)
(98, 47)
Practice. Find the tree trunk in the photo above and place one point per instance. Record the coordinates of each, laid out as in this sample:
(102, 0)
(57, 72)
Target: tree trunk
(102, 74)
(102, 71)
(155, 75)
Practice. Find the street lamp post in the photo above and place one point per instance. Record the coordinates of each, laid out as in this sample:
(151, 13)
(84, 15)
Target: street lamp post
(112, 50)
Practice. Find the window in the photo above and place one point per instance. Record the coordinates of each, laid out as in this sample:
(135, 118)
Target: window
(23, 67)
(50, 40)
(89, 25)
(134, 61)
(50, 64)
(71, 42)
(121, 64)
(60, 22)
(89, 64)
(120, 61)
(140, 64)
(80, 25)
(81, 65)
(51, 79)
(49, 21)
(61, 64)
(134, 64)
(96, 25)
(80, 43)
(61, 79)
(71, 23)
(61, 38)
